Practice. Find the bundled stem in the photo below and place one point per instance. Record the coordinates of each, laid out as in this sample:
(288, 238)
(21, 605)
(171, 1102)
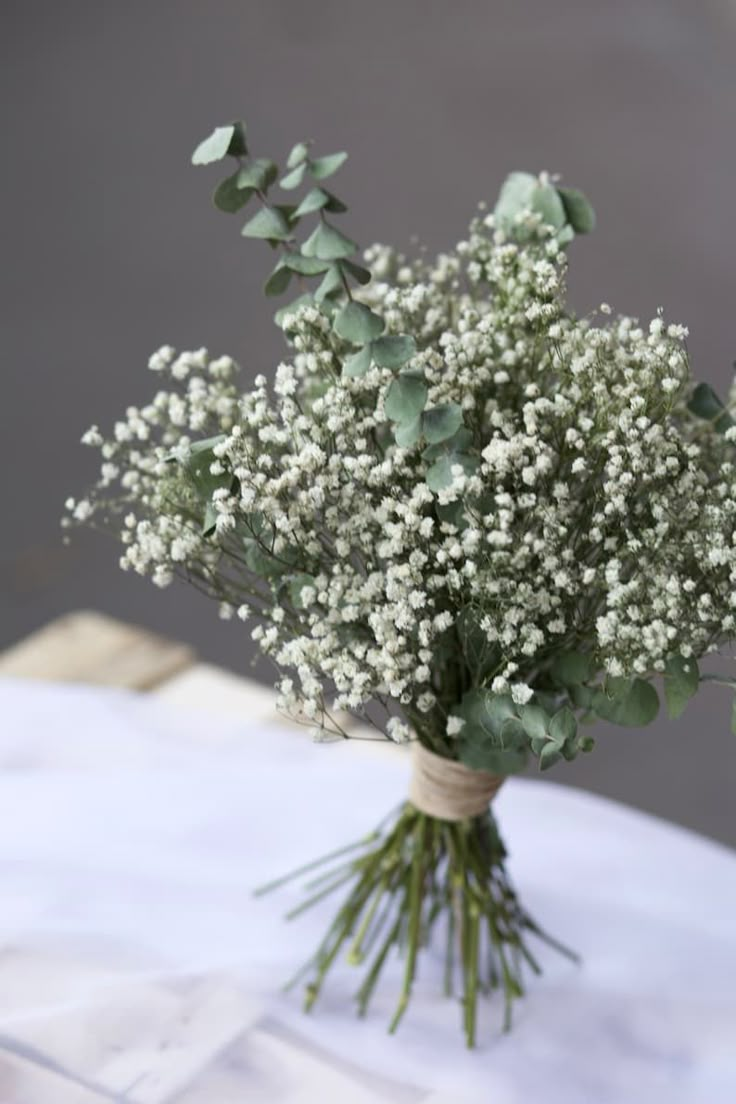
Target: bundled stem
(408, 879)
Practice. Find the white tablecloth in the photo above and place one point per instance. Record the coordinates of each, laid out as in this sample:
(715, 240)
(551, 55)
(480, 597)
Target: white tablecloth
(135, 964)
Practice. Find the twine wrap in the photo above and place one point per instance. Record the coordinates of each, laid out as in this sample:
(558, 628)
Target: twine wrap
(447, 789)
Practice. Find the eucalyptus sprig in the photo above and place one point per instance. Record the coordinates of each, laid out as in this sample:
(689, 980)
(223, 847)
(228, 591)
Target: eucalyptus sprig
(325, 252)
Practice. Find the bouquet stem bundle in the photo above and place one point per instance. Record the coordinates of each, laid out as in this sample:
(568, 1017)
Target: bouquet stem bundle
(420, 874)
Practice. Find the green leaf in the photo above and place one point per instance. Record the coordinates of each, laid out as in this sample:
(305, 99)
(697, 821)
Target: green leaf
(305, 266)
(578, 210)
(524, 192)
(294, 178)
(278, 281)
(442, 422)
(481, 754)
(360, 275)
(317, 199)
(513, 734)
(452, 513)
(358, 364)
(393, 350)
(704, 403)
(439, 475)
(223, 140)
(331, 283)
(515, 196)
(322, 167)
(259, 174)
(491, 738)
(407, 434)
(487, 711)
(328, 244)
(632, 703)
(357, 323)
(563, 727)
(283, 313)
(571, 668)
(298, 154)
(405, 398)
(681, 681)
(268, 223)
(581, 696)
(296, 585)
(548, 756)
(546, 202)
(535, 721)
(228, 196)
(459, 442)
(205, 483)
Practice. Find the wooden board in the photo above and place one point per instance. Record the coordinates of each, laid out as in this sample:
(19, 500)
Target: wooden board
(90, 647)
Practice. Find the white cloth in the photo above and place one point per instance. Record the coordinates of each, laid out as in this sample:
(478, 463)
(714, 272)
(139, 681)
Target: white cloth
(136, 965)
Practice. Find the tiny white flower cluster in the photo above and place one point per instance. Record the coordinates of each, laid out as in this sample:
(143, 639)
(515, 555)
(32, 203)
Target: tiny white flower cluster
(596, 514)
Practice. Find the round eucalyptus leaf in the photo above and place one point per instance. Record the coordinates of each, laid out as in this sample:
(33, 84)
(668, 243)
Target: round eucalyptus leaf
(259, 174)
(314, 200)
(563, 727)
(358, 364)
(294, 178)
(459, 442)
(578, 210)
(360, 274)
(442, 422)
(228, 196)
(515, 196)
(440, 474)
(571, 668)
(296, 585)
(407, 434)
(393, 350)
(704, 403)
(548, 756)
(305, 266)
(358, 324)
(480, 753)
(405, 398)
(331, 283)
(546, 202)
(278, 281)
(322, 167)
(298, 154)
(535, 721)
(327, 243)
(631, 703)
(269, 223)
(223, 140)
(681, 682)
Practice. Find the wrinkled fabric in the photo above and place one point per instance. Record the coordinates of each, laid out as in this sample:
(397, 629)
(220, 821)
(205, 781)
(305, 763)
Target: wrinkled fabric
(136, 964)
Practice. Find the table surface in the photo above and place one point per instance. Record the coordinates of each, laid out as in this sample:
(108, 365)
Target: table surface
(136, 965)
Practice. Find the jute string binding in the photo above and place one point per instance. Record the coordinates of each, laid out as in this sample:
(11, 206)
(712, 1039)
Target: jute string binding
(449, 790)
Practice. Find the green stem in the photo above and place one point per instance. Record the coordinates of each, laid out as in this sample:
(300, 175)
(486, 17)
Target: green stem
(278, 882)
(417, 871)
(414, 920)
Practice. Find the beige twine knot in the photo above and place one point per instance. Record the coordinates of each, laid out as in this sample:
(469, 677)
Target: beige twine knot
(449, 790)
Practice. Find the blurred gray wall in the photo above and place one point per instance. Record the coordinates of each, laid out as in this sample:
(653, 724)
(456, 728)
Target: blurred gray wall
(110, 246)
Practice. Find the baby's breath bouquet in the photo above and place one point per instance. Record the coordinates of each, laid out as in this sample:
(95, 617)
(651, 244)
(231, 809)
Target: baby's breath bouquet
(454, 510)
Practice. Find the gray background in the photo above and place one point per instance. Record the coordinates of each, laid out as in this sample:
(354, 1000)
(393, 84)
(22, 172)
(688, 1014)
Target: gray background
(110, 247)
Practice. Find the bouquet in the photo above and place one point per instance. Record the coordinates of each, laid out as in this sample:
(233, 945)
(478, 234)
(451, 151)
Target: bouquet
(454, 510)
